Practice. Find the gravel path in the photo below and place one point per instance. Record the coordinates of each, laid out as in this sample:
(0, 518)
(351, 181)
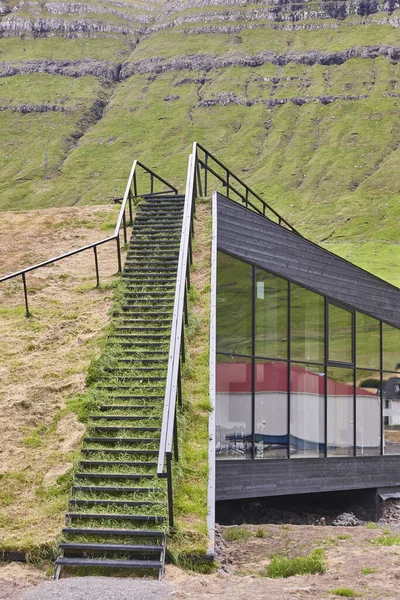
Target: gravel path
(98, 588)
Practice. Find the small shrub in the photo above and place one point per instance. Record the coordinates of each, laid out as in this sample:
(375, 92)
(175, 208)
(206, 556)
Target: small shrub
(387, 540)
(260, 533)
(372, 525)
(344, 592)
(368, 570)
(344, 536)
(236, 534)
(331, 541)
(281, 566)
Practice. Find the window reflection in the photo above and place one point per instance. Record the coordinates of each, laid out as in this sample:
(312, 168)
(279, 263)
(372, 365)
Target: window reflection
(391, 347)
(340, 323)
(307, 324)
(271, 335)
(234, 305)
(233, 407)
(340, 390)
(372, 387)
(271, 409)
(368, 342)
(368, 412)
(307, 411)
(391, 412)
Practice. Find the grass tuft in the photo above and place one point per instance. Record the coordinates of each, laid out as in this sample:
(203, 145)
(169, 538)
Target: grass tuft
(387, 540)
(236, 534)
(260, 533)
(368, 570)
(281, 566)
(344, 592)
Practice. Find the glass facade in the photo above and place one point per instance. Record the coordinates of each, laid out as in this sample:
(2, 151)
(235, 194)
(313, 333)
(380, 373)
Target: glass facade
(298, 376)
(307, 411)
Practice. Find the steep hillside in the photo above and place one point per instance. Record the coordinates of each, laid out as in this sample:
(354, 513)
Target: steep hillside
(301, 98)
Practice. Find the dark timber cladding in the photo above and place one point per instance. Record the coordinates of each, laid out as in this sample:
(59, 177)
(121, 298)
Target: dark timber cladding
(253, 238)
(256, 478)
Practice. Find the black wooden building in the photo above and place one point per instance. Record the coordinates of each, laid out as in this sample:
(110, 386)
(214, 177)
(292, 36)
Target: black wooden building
(307, 393)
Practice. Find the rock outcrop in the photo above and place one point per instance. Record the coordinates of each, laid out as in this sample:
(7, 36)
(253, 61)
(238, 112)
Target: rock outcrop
(204, 62)
(70, 68)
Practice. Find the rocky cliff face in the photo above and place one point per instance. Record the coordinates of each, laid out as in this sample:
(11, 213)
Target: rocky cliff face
(306, 91)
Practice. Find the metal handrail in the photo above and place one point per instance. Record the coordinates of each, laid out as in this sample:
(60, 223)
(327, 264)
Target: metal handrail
(266, 210)
(194, 187)
(121, 222)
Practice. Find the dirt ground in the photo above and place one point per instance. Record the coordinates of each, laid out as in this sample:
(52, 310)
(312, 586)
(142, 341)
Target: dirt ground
(44, 359)
(349, 550)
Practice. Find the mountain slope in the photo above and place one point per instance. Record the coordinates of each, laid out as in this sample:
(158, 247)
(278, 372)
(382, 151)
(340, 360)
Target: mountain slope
(300, 99)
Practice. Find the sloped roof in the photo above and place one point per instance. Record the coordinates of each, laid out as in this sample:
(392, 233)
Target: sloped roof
(253, 238)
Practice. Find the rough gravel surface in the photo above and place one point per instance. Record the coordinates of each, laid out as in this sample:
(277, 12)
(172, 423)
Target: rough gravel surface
(96, 588)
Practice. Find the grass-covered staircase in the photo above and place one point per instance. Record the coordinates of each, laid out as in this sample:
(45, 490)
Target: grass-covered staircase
(118, 511)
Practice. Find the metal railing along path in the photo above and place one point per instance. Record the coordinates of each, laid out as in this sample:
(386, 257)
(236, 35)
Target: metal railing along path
(169, 437)
(131, 192)
(207, 162)
(200, 160)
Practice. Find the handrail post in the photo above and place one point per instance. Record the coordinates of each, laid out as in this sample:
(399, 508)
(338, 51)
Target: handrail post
(170, 492)
(185, 307)
(190, 250)
(27, 313)
(192, 217)
(124, 224)
(206, 174)
(96, 263)
(176, 452)
(130, 208)
(119, 254)
(183, 343)
(195, 182)
(198, 177)
(179, 386)
(151, 183)
(227, 184)
(135, 192)
(188, 275)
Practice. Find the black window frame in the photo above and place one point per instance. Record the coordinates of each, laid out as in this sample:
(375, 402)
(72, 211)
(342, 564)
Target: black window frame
(324, 365)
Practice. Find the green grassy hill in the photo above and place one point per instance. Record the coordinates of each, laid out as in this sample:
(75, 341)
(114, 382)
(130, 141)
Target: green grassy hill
(300, 99)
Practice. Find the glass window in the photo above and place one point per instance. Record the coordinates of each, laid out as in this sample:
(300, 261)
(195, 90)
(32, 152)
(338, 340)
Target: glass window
(391, 347)
(307, 325)
(391, 412)
(234, 305)
(340, 390)
(340, 323)
(368, 412)
(271, 409)
(307, 411)
(233, 407)
(367, 342)
(271, 315)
